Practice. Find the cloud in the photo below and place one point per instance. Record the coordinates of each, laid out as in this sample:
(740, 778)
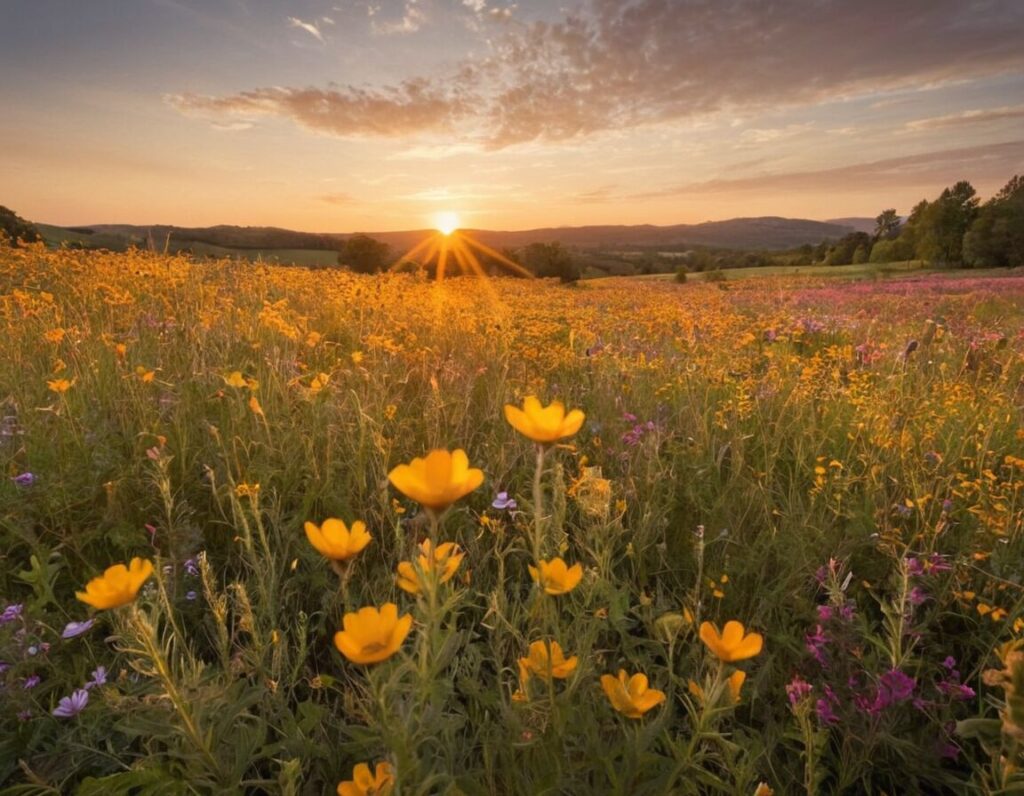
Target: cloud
(413, 18)
(231, 127)
(992, 161)
(337, 198)
(606, 193)
(310, 27)
(419, 105)
(617, 65)
(968, 117)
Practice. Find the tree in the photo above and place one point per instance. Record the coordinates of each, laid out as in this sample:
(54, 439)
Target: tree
(887, 225)
(364, 255)
(996, 238)
(15, 228)
(844, 249)
(944, 222)
(550, 259)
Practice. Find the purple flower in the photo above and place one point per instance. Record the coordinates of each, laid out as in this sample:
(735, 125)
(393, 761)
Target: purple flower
(917, 596)
(191, 569)
(190, 595)
(24, 480)
(797, 689)
(99, 677)
(846, 611)
(825, 612)
(31, 681)
(947, 505)
(893, 686)
(503, 502)
(72, 705)
(826, 715)
(816, 643)
(72, 629)
(949, 663)
(24, 715)
(11, 612)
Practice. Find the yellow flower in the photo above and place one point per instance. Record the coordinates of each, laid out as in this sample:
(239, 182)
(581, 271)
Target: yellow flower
(371, 635)
(555, 577)
(437, 480)
(60, 385)
(543, 424)
(735, 681)
(235, 379)
(335, 540)
(734, 644)
(363, 783)
(538, 662)
(117, 586)
(763, 789)
(631, 695)
(251, 491)
(446, 558)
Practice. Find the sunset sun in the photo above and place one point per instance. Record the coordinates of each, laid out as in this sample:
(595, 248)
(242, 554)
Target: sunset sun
(446, 222)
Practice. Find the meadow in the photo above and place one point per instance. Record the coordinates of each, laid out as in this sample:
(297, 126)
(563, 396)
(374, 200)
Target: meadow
(835, 466)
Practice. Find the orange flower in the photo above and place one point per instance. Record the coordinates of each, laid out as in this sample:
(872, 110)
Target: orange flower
(631, 696)
(446, 558)
(546, 666)
(555, 577)
(437, 480)
(735, 681)
(371, 635)
(117, 586)
(543, 424)
(734, 644)
(60, 386)
(363, 783)
(335, 540)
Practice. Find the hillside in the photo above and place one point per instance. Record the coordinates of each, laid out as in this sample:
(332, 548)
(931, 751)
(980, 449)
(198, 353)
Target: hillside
(767, 232)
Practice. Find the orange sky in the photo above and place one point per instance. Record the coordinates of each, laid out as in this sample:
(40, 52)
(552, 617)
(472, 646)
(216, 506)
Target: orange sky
(375, 116)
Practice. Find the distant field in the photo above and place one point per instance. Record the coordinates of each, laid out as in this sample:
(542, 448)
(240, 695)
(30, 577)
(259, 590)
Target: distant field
(848, 271)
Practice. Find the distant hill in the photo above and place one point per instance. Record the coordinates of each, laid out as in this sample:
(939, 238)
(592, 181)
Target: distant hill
(767, 232)
(856, 223)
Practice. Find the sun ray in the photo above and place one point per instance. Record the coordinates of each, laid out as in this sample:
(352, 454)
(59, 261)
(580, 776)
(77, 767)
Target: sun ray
(501, 258)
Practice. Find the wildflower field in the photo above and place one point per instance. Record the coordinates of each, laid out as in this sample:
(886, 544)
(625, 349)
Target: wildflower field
(273, 530)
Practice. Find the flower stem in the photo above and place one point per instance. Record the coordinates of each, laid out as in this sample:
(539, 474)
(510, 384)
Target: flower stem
(538, 505)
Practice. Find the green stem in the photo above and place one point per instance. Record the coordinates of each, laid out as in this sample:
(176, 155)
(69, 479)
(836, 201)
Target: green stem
(538, 505)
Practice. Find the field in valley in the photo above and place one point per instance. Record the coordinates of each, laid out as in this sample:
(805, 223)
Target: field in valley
(837, 465)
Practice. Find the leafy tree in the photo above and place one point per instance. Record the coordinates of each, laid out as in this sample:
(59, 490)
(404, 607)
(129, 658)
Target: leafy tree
(944, 222)
(844, 249)
(364, 255)
(996, 238)
(891, 251)
(887, 225)
(15, 228)
(860, 255)
(550, 259)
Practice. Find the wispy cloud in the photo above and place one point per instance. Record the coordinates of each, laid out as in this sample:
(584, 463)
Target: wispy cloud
(413, 18)
(927, 170)
(614, 66)
(337, 198)
(968, 118)
(310, 27)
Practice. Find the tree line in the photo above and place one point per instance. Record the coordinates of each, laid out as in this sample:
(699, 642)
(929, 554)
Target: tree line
(954, 229)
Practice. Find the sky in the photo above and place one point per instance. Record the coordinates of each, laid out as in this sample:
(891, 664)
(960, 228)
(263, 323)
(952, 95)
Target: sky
(374, 115)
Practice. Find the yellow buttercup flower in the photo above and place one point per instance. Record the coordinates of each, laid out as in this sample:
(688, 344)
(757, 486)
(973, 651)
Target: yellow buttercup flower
(60, 385)
(363, 783)
(337, 541)
(555, 577)
(543, 424)
(117, 586)
(446, 559)
(371, 635)
(437, 480)
(545, 665)
(631, 696)
(734, 643)
(235, 379)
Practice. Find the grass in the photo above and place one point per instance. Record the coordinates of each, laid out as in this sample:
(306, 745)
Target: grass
(861, 271)
(837, 466)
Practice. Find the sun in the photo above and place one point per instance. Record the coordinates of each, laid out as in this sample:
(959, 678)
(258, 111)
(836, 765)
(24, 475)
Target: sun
(446, 222)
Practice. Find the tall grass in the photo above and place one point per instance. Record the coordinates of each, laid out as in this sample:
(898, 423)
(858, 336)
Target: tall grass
(838, 468)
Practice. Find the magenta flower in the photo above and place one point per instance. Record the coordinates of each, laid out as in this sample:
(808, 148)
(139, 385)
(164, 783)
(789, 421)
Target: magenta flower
(72, 705)
(797, 689)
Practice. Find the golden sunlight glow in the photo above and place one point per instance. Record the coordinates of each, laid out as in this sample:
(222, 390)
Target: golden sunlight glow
(456, 250)
(446, 222)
